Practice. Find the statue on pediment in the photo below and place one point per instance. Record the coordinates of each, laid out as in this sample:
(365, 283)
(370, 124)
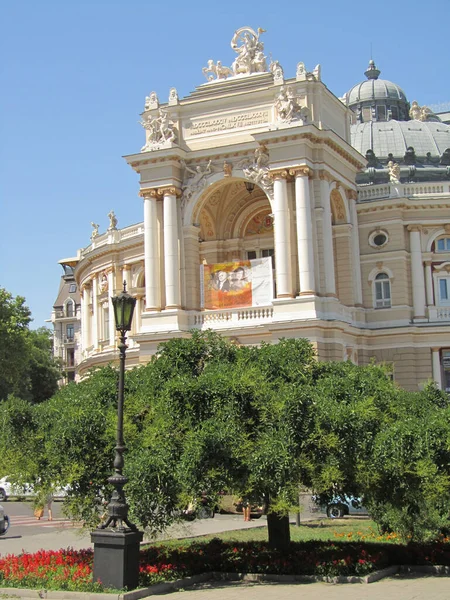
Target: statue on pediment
(287, 107)
(95, 227)
(161, 131)
(250, 52)
(112, 221)
(394, 172)
(217, 71)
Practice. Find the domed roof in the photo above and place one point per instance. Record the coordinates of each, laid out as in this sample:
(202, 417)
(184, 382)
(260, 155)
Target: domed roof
(394, 137)
(374, 89)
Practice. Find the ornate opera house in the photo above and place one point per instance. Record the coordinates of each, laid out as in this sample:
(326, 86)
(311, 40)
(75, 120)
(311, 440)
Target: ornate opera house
(273, 208)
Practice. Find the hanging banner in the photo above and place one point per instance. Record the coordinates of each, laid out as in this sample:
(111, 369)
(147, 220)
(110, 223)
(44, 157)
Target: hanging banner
(236, 284)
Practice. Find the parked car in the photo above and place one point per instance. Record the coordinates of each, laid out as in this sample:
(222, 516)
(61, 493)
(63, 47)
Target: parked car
(340, 506)
(8, 489)
(26, 490)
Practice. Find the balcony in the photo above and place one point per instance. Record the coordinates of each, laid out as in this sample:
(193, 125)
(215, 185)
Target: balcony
(217, 319)
(402, 190)
(69, 339)
(439, 314)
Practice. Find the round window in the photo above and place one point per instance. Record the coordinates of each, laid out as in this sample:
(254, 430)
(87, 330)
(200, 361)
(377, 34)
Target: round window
(377, 239)
(380, 239)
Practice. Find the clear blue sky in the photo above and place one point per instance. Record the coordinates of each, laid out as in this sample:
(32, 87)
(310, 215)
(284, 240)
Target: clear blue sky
(74, 76)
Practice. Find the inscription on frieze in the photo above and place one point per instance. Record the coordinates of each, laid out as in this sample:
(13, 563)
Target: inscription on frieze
(259, 117)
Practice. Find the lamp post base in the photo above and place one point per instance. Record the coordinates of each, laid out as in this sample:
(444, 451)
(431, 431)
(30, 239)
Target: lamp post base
(116, 558)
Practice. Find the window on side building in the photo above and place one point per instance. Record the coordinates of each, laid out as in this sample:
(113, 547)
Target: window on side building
(382, 291)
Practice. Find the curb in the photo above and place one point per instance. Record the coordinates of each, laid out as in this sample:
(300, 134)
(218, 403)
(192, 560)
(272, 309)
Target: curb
(185, 582)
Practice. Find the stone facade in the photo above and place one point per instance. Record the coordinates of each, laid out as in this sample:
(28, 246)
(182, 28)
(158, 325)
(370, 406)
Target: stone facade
(251, 166)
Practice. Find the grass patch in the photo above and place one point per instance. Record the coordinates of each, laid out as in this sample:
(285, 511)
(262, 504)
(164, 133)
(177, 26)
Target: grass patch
(322, 530)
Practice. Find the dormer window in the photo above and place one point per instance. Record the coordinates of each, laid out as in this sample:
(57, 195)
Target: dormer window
(72, 288)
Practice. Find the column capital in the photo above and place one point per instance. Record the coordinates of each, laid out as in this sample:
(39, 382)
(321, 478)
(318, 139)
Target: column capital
(279, 174)
(433, 349)
(351, 194)
(126, 267)
(169, 190)
(300, 171)
(428, 263)
(148, 193)
(414, 228)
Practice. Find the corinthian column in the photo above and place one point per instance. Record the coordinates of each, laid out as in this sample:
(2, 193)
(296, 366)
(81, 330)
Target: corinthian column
(112, 322)
(417, 274)
(151, 257)
(304, 230)
(171, 247)
(328, 252)
(281, 233)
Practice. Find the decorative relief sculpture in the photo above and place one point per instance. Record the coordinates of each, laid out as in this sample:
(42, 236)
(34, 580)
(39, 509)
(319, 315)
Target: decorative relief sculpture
(194, 180)
(151, 101)
(258, 170)
(112, 221)
(394, 172)
(173, 96)
(95, 228)
(161, 131)
(422, 113)
(227, 169)
(287, 107)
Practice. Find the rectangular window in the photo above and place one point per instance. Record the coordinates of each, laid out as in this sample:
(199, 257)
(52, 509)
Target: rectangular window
(443, 289)
(367, 114)
(394, 113)
(106, 324)
(72, 288)
(251, 255)
(69, 333)
(381, 112)
(70, 357)
(443, 245)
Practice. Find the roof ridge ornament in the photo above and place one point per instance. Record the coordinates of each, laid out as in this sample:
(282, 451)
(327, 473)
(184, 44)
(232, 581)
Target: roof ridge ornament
(372, 71)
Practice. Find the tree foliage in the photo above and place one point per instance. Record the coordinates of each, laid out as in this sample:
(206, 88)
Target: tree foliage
(27, 367)
(205, 416)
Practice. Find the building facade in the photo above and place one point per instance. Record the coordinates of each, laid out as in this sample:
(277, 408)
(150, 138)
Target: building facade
(66, 320)
(272, 208)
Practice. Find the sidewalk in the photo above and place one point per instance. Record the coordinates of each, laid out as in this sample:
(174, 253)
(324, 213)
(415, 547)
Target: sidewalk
(398, 588)
(70, 537)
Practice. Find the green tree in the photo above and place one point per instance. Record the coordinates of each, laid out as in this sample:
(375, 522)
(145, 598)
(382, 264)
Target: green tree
(27, 367)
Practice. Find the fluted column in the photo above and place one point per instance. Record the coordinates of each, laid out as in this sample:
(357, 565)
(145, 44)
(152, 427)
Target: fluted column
(328, 252)
(85, 317)
(171, 247)
(281, 235)
(417, 274)
(305, 247)
(151, 254)
(95, 312)
(436, 364)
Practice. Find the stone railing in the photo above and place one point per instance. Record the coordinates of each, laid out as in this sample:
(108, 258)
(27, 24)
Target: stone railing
(232, 317)
(443, 314)
(114, 237)
(401, 190)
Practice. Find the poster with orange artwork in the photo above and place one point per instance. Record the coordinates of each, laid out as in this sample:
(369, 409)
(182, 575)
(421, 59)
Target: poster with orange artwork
(236, 284)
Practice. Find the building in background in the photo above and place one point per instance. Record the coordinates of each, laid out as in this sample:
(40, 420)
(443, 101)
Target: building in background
(272, 208)
(66, 319)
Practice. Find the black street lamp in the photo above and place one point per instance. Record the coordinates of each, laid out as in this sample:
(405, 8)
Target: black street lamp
(117, 541)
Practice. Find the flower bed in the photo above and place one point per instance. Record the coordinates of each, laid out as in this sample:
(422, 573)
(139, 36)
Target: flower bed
(72, 570)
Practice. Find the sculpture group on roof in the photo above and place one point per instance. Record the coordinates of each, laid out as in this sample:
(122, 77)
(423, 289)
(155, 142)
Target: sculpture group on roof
(250, 56)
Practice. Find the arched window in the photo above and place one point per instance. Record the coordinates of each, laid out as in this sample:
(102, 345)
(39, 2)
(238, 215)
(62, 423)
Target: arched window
(70, 309)
(443, 244)
(382, 291)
